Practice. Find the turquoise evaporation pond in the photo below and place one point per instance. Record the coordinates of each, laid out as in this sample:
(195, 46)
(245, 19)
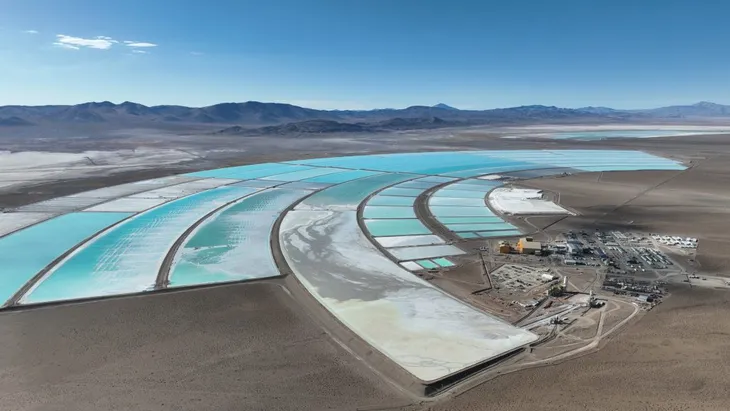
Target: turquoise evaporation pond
(381, 228)
(472, 187)
(249, 172)
(303, 185)
(468, 235)
(235, 243)
(461, 202)
(422, 163)
(25, 253)
(303, 174)
(404, 192)
(605, 134)
(379, 200)
(351, 193)
(388, 212)
(447, 211)
(475, 163)
(590, 160)
(128, 257)
(477, 182)
(341, 177)
(446, 192)
(436, 179)
(417, 184)
(480, 227)
(469, 220)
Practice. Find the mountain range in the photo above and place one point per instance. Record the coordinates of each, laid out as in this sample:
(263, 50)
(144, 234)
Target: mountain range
(275, 118)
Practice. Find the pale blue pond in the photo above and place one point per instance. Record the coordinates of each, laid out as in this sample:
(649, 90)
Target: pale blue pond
(469, 235)
(304, 185)
(436, 179)
(388, 212)
(128, 257)
(341, 177)
(422, 163)
(472, 187)
(234, 244)
(598, 160)
(258, 183)
(463, 202)
(469, 220)
(489, 184)
(302, 174)
(404, 192)
(483, 171)
(378, 200)
(380, 228)
(418, 184)
(447, 211)
(476, 163)
(447, 192)
(26, 252)
(352, 193)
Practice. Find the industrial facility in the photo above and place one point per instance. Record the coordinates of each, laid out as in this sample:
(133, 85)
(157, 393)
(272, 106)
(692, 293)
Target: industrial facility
(527, 245)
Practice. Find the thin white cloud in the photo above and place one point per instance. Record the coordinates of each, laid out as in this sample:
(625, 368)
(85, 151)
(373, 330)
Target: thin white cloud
(139, 44)
(66, 46)
(196, 53)
(70, 42)
(31, 31)
(140, 52)
(107, 38)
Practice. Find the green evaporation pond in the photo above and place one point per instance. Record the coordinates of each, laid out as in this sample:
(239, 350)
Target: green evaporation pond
(443, 262)
(428, 264)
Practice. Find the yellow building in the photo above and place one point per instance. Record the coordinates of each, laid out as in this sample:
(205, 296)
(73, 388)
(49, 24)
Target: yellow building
(527, 245)
(505, 247)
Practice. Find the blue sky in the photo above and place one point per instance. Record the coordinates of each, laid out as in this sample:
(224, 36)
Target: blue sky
(366, 53)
